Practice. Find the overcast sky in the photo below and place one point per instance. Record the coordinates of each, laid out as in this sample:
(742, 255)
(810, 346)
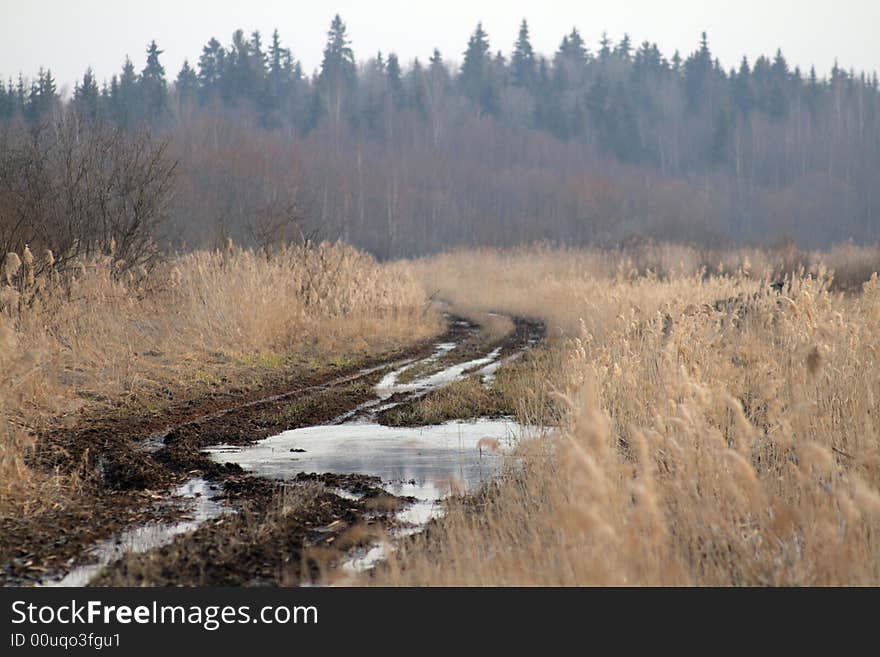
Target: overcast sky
(70, 35)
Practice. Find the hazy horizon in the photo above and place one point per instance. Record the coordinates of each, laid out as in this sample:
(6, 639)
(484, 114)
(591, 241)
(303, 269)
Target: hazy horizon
(39, 33)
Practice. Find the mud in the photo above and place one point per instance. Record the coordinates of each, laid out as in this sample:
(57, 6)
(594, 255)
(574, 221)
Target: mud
(283, 534)
(122, 471)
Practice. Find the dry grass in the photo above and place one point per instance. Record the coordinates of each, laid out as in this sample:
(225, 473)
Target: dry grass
(100, 338)
(521, 387)
(718, 432)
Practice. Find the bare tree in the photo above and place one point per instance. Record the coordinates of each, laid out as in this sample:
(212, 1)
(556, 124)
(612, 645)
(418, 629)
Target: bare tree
(82, 189)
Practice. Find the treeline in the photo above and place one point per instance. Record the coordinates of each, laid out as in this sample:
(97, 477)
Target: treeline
(592, 145)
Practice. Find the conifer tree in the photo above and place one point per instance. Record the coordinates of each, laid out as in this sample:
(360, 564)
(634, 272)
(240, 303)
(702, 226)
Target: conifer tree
(438, 79)
(474, 77)
(187, 83)
(256, 85)
(125, 94)
(416, 87)
(697, 74)
(338, 72)
(742, 88)
(575, 49)
(42, 97)
(211, 65)
(777, 100)
(6, 101)
(154, 88)
(395, 80)
(604, 47)
(522, 62)
(86, 95)
(624, 48)
(282, 76)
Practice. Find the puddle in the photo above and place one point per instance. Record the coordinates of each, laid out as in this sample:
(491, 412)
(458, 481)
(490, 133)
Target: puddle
(364, 560)
(389, 386)
(423, 462)
(203, 506)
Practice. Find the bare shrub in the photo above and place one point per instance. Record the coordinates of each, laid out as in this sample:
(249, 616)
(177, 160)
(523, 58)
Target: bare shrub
(82, 189)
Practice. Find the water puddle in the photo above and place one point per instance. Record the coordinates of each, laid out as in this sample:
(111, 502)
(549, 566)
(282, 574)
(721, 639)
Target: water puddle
(389, 385)
(198, 494)
(422, 462)
(426, 463)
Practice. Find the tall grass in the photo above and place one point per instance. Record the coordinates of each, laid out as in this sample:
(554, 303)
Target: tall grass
(718, 432)
(98, 336)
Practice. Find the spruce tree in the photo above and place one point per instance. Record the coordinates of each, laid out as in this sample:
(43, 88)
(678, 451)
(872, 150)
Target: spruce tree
(697, 75)
(604, 47)
(154, 88)
(236, 72)
(86, 95)
(395, 81)
(415, 86)
(125, 98)
(475, 77)
(42, 97)
(569, 62)
(575, 48)
(777, 98)
(6, 101)
(282, 76)
(438, 77)
(256, 86)
(522, 62)
(338, 71)
(187, 83)
(624, 48)
(211, 65)
(743, 96)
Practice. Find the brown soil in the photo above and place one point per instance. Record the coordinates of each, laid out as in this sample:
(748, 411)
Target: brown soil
(280, 535)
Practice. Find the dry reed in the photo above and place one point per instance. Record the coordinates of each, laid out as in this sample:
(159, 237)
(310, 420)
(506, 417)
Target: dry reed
(719, 432)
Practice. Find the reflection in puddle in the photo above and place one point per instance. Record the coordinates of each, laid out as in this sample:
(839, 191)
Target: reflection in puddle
(389, 385)
(423, 462)
(196, 492)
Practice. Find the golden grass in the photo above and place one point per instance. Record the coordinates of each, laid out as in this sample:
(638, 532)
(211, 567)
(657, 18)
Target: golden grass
(717, 432)
(99, 338)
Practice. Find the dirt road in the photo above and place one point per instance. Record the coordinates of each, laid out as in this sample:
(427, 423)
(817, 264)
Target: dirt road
(166, 511)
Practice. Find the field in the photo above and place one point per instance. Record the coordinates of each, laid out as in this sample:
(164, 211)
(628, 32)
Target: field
(716, 430)
(708, 416)
(94, 357)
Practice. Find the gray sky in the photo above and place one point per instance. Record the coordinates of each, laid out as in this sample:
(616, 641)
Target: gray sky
(69, 35)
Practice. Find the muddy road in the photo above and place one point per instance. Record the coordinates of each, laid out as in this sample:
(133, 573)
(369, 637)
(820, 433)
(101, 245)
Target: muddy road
(302, 482)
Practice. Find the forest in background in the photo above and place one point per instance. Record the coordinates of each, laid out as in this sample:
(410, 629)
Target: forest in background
(596, 144)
